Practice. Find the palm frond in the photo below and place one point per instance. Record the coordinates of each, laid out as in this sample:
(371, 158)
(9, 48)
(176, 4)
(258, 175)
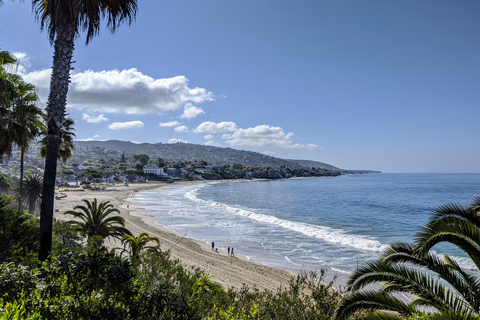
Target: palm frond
(458, 232)
(369, 301)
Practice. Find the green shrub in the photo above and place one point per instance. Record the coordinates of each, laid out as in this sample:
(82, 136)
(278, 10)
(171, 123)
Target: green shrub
(65, 236)
(17, 311)
(16, 282)
(19, 233)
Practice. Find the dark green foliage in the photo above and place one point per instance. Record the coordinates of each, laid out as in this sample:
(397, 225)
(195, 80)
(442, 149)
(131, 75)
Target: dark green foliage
(65, 236)
(18, 234)
(211, 176)
(15, 281)
(4, 182)
(305, 297)
(97, 284)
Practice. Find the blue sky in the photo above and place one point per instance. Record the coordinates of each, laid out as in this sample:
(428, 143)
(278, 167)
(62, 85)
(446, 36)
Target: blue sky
(382, 85)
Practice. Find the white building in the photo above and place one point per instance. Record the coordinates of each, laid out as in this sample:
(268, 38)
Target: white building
(154, 169)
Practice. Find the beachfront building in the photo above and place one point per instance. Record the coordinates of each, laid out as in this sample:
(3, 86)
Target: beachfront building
(154, 169)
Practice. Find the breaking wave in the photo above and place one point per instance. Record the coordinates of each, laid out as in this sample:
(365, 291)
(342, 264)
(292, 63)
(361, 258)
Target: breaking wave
(335, 236)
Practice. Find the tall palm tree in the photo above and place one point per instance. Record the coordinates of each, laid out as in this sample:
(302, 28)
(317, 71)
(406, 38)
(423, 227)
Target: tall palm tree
(66, 144)
(438, 283)
(139, 243)
(64, 21)
(32, 191)
(94, 219)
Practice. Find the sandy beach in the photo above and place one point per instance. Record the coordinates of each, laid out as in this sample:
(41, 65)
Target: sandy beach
(228, 271)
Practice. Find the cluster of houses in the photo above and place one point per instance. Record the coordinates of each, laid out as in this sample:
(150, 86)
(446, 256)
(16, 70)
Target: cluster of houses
(149, 170)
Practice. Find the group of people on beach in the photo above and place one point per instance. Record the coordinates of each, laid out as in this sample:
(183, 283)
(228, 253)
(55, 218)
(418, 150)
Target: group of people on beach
(229, 251)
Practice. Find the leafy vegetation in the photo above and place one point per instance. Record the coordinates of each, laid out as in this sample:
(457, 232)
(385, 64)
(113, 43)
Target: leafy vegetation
(18, 234)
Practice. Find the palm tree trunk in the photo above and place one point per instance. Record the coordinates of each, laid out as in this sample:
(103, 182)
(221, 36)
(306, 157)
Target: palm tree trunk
(57, 99)
(21, 180)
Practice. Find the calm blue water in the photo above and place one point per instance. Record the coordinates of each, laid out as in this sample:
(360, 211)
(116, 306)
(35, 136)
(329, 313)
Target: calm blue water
(307, 224)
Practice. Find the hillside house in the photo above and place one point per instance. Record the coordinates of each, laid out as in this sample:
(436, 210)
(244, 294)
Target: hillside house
(154, 169)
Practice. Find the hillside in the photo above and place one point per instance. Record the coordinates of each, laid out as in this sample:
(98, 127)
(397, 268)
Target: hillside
(196, 152)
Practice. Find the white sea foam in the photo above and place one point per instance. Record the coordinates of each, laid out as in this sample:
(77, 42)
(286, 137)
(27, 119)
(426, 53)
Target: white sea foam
(292, 262)
(335, 236)
(341, 271)
(465, 263)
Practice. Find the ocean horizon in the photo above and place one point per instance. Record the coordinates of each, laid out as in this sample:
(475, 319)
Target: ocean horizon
(306, 224)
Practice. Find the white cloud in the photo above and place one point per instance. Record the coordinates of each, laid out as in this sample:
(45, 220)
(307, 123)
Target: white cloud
(208, 137)
(210, 143)
(261, 136)
(212, 127)
(97, 119)
(126, 91)
(190, 111)
(23, 62)
(126, 125)
(175, 140)
(169, 124)
(95, 138)
(181, 129)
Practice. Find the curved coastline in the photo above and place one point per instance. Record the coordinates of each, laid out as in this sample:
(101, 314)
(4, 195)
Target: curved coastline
(228, 271)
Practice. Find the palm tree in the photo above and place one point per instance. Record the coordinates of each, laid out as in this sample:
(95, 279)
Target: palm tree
(64, 21)
(6, 86)
(137, 244)
(32, 191)
(435, 282)
(20, 118)
(455, 224)
(66, 144)
(95, 220)
(438, 283)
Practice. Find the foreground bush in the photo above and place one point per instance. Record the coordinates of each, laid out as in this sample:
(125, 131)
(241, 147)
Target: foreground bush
(98, 284)
(18, 234)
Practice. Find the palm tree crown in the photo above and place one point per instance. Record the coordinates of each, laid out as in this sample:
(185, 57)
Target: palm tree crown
(432, 281)
(139, 243)
(32, 191)
(66, 144)
(455, 224)
(96, 220)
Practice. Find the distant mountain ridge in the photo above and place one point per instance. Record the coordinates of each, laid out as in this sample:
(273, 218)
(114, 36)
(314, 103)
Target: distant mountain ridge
(196, 152)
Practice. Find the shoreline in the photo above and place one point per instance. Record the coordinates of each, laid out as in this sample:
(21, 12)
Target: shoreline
(227, 271)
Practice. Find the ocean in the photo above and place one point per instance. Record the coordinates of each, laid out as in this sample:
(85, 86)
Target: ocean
(306, 224)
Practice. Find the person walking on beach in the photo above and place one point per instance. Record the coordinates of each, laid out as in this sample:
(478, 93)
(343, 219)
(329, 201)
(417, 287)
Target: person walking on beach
(228, 250)
(232, 254)
(213, 246)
